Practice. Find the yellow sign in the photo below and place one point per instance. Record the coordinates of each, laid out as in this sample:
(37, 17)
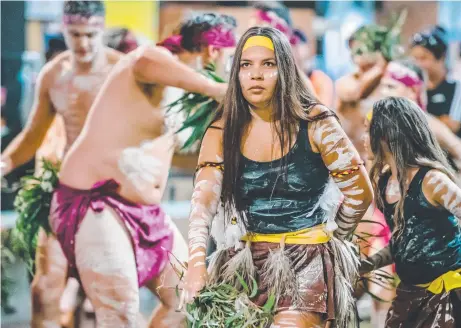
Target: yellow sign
(140, 17)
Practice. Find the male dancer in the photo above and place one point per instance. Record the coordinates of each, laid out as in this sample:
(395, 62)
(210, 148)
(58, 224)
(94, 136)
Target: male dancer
(67, 87)
(190, 52)
(357, 92)
(106, 211)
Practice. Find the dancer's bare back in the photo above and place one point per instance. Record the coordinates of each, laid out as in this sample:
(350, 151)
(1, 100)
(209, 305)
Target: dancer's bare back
(124, 136)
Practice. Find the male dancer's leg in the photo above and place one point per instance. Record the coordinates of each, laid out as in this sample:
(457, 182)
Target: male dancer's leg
(106, 263)
(48, 283)
(165, 315)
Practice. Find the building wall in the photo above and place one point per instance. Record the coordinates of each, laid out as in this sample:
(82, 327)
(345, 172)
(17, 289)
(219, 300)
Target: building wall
(421, 14)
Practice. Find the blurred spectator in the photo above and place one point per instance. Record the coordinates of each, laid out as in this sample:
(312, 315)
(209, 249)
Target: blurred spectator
(429, 49)
(322, 83)
(271, 8)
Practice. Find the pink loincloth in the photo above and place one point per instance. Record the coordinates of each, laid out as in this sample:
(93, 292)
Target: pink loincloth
(150, 233)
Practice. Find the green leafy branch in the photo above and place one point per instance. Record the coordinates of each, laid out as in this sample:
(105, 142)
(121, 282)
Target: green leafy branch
(199, 110)
(226, 306)
(32, 204)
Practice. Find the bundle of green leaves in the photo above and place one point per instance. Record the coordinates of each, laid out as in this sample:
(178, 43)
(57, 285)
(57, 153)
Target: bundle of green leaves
(384, 39)
(7, 259)
(199, 110)
(33, 207)
(225, 306)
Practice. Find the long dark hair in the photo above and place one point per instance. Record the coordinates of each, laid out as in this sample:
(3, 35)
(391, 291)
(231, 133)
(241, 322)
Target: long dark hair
(399, 126)
(291, 103)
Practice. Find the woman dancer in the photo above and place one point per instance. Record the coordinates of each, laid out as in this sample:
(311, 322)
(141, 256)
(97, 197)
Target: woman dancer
(277, 158)
(403, 78)
(416, 191)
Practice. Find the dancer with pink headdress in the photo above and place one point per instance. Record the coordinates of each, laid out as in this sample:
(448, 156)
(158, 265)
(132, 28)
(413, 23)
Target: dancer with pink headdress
(106, 209)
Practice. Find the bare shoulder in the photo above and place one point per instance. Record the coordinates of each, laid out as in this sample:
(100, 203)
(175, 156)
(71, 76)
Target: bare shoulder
(435, 177)
(219, 124)
(212, 144)
(151, 51)
(319, 110)
(214, 133)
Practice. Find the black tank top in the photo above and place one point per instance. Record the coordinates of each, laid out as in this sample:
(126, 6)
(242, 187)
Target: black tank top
(430, 242)
(274, 204)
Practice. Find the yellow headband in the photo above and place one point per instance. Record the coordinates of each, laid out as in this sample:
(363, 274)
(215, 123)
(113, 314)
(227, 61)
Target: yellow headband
(259, 41)
(370, 115)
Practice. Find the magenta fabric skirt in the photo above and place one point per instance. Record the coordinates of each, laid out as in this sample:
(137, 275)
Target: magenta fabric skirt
(151, 235)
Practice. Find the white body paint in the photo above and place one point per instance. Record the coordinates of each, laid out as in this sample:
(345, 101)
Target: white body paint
(204, 205)
(107, 266)
(139, 165)
(446, 192)
(341, 156)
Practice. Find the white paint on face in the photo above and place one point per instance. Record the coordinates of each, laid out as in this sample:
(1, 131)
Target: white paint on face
(84, 40)
(248, 76)
(258, 68)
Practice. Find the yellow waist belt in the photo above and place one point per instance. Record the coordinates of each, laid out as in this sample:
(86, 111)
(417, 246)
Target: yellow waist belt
(314, 235)
(446, 282)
